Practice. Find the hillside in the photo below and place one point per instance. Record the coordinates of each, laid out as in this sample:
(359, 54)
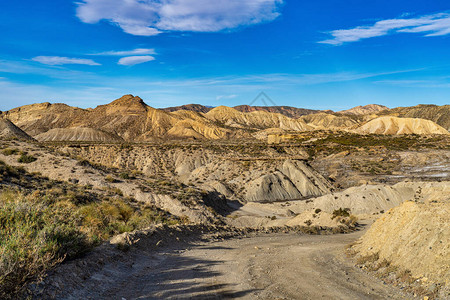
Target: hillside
(288, 111)
(329, 121)
(189, 107)
(394, 125)
(77, 134)
(412, 239)
(255, 120)
(10, 131)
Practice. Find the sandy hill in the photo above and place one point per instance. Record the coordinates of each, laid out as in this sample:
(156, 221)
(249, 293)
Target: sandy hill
(364, 110)
(394, 125)
(438, 114)
(10, 131)
(77, 134)
(415, 237)
(288, 111)
(256, 119)
(329, 121)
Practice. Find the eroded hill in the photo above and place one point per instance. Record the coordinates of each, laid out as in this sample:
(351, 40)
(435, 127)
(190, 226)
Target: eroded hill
(130, 119)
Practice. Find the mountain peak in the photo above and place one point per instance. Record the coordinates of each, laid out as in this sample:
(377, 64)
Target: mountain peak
(128, 100)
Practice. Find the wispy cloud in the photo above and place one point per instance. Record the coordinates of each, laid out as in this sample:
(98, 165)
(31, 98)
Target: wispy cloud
(60, 60)
(432, 25)
(138, 51)
(443, 82)
(134, 60)
(151, 17)
(226, 97)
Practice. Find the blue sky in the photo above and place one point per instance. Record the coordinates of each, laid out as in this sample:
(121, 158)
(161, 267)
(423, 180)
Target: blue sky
(326, 54)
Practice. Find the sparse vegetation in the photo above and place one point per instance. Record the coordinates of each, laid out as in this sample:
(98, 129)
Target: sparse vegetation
(41, 228)
(26, 158)
(10, 151)
(341, 212)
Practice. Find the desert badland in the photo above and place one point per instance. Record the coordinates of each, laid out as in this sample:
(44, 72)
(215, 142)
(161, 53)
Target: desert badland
(125, 201)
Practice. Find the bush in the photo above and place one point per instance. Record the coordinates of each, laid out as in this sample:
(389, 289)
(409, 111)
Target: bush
(26, 159)
(9, 151)
(341, 212)
(110, 179)
(33, 238)
(124, 176)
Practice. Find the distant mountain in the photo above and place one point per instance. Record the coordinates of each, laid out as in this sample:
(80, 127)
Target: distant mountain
(127, 117)
(130, 119)
(190, 107)
(438, 114)
(363, 110)
(288, 111)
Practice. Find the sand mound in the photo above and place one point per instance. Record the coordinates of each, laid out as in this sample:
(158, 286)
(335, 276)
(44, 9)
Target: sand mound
(414, 236)
(311, 218)
(10, 131)
(78, 134)
(394, 125)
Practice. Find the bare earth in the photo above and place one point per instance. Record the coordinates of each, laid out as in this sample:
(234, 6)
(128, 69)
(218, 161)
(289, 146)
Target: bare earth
(265, 266)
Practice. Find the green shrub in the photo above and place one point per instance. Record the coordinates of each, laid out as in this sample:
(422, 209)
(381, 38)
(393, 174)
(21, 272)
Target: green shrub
(341, 212)
(9, 151)
(58, 221)
(124, 175)
(26, 159)
(33, 238)
(110, 179)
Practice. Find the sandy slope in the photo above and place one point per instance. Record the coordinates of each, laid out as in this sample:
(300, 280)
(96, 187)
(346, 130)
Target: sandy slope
(394, 125)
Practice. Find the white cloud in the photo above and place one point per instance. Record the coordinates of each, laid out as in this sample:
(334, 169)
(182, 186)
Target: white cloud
(59, 60)
(138, 51)
(433, 25)
(226, 97)
(151, 17)
(134, 60)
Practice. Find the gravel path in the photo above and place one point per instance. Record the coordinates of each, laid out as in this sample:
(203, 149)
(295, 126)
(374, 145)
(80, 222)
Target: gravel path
(265, 266)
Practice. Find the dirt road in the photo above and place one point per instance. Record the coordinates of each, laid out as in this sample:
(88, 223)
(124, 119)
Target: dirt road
(271, 266)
